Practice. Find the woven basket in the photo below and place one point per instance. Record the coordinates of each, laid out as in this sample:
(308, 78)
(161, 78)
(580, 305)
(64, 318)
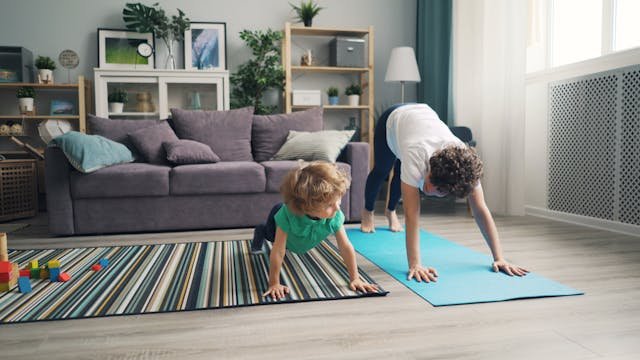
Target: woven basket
(18, 189)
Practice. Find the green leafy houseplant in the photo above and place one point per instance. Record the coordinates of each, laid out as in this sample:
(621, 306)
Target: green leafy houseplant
(145, 19)
(118, 96)
(45, 63)
(332, 91)
(306, 11)
(259, 74)
(26, 92)
(353, 89)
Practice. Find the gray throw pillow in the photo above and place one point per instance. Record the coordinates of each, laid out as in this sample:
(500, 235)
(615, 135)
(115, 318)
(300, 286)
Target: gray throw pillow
(269, 132)
(182, 152)
(321, 145)
(148, 141)
(228, 133)
(118, 129)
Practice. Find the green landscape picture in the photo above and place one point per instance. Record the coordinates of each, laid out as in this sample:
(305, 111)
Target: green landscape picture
(123, 51)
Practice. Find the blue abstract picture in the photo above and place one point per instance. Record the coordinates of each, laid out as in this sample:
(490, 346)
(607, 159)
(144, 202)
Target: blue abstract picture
(205, 48)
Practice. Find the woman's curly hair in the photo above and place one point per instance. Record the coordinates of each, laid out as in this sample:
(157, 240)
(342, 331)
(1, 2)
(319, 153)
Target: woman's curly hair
(312, 187)
(455, 170)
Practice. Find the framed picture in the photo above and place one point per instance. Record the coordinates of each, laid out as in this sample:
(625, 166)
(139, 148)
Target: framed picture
(117, 49)
(205, 46)
(62, 107)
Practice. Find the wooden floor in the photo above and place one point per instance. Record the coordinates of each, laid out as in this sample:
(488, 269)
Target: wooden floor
(603, 324)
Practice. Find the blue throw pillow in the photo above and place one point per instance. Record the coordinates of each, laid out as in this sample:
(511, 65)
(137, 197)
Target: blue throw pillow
(88, 153)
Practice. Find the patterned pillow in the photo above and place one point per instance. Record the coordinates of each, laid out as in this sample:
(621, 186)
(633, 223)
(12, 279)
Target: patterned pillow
(88, 153)
(321, 145)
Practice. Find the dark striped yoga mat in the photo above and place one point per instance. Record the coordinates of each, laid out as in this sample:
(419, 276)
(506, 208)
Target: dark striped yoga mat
(171, 277)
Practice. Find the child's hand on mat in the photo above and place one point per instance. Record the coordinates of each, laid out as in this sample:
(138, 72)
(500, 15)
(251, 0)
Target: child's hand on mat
(359, 285)
(421, 273)
(509, 269)
(276, 291)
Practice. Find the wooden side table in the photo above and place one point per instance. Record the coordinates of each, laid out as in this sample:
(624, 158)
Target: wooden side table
(18, 189)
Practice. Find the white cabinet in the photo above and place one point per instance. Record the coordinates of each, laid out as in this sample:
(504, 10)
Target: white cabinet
(152, 93)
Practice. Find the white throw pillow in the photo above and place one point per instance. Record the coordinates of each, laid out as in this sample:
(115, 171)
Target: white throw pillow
(309, 146)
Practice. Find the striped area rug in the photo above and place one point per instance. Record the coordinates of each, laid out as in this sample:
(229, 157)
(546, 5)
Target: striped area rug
(171, 277)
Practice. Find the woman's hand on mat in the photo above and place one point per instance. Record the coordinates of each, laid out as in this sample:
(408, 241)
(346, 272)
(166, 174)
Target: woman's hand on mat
(420, 273)
(277, 291)
(359, 285)
(509, 269)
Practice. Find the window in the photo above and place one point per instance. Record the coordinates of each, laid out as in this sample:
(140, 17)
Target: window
(627, 26)
(577, 30)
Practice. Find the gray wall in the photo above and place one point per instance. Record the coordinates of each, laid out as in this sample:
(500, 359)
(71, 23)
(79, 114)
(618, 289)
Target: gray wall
(47, 27)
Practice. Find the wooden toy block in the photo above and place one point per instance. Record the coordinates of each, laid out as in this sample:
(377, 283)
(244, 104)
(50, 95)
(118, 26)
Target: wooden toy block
(44, 272)
(104, 262)
(24, 284)
(5, 276)
(7, 286)
(25, 273)
(53, 264)
(64, 277)
(53, 274)
(5, 266)
(35, 273)
(33, 264)
(96, 267)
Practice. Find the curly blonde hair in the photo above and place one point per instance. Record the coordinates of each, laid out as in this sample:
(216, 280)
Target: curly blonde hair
(455, 170)
(312, 186)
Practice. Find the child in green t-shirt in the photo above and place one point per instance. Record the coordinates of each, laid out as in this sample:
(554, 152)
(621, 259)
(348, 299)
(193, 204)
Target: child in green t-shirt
(310, 213)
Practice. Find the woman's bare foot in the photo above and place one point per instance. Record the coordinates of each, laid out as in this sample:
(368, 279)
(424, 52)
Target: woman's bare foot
(394, 223)
(367, 226)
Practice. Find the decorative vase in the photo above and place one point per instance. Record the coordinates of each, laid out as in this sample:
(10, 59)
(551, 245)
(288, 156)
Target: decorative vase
(116, 107)
(171, 59)
(25, 105)
(306, 59)
(354, 100)
(333, 100)
(45, 76)
(144, 103)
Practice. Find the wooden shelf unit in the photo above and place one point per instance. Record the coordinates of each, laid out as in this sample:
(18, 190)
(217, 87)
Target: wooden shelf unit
(365, 74)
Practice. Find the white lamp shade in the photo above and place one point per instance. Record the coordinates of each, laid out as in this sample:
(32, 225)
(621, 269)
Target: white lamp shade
(402, 65)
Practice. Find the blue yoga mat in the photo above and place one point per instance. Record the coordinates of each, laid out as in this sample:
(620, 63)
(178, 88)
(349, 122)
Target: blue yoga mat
(465, 275)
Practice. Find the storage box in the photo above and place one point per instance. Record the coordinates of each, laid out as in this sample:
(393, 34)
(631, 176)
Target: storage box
(306, 98)
(18, 189)
(16, 64)
(346, 52)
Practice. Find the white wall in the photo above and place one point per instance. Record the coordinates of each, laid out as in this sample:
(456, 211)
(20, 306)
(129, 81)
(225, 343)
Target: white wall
(47, 27)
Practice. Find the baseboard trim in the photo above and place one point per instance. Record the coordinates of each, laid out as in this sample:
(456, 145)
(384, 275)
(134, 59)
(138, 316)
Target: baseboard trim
(595, 223)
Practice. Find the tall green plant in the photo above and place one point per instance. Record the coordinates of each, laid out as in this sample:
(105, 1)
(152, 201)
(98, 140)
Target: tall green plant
(144, 19)
(259, 74)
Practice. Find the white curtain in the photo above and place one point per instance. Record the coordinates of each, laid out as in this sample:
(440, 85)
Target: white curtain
(489, 64)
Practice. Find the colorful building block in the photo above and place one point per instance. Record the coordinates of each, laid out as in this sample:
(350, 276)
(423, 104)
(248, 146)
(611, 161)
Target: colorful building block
(35, 273)
(53, 274)
(6, 286)
(104, 262)
(6, 276)
(96, 267)
(64, 277)
(5, 266)
(24, 284)
(25, 273)
(53, 264)
(44, 272)
(33, 264)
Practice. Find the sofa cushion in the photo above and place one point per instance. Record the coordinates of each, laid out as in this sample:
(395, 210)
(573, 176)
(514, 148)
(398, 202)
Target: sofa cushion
(148, 141)
(228, 133)
(309, 146)
(269, 132)
(124, 180)
(231, 177)
(118, 130)
(88, 153)
(183, 152)
(275, 172)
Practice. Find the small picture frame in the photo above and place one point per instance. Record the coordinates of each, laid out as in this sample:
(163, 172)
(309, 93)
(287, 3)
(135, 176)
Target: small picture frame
(205, 46)
(117, 49)
(62, 107)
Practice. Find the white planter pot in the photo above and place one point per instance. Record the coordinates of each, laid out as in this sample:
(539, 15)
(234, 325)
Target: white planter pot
(45, 76)
(25, 105)
(354, 100)
(115, 107)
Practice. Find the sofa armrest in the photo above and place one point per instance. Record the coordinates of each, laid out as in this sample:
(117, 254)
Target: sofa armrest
(59, 204)
(356, 154)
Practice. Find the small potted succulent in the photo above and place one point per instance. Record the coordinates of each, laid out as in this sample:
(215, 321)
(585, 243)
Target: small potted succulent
(353, 92)
(306, 11)
(117, 99)
(332, 92)
(25, 95)
(45, 66)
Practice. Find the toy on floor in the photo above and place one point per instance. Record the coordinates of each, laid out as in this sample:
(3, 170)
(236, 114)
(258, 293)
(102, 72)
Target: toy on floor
(9, 272)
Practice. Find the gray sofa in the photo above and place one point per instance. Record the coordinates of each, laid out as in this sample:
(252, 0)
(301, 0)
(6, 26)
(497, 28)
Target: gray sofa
(143, 197)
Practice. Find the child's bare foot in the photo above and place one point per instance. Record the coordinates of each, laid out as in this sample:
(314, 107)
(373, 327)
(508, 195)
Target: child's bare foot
(394, 223)
(367, 226)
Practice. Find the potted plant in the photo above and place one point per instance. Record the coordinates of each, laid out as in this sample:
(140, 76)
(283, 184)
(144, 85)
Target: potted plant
(306, 11)
(146, 19)
(260, 74)
(25, 95)
(332, 92)
(45, 66)
(353, 92)
(117, 99)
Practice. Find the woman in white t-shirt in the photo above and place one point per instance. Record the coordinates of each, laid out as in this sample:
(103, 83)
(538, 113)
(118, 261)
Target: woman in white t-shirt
(427, 157)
